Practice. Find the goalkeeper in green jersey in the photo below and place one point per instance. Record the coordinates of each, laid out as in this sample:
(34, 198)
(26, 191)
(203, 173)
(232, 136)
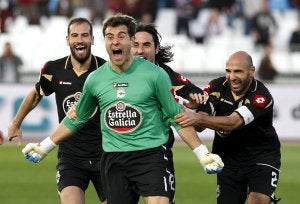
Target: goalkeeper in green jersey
(137, 109)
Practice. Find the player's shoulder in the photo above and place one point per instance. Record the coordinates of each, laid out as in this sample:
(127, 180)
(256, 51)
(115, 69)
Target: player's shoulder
(219, 84)
(164, 66)
(55, 65)
(61, 61)
(145, 66)
(257, 87)
(167, 69)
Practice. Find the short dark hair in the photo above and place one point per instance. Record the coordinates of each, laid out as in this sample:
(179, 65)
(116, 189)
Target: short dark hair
(80, 20)
(164, 54)
(120, 19)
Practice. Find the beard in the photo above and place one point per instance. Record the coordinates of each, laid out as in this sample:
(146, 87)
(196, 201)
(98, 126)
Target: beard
(244, 85)
(81, 59)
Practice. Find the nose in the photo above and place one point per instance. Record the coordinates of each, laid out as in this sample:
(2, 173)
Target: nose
(140, 50)
(231, 76)
(80, 38)
(115, 41)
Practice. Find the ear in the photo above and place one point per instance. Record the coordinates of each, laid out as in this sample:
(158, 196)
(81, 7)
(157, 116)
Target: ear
(156, 50)
(67, 40)
(92, 40)
(252, 70)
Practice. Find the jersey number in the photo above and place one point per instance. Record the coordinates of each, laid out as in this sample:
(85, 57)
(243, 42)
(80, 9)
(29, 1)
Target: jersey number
(274, 179)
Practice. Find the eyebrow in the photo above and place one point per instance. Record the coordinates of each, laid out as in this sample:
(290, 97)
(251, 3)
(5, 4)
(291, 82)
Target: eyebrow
(122, 32)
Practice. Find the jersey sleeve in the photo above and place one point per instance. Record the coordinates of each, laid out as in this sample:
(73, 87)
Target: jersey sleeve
(165, 95)
(43, 86)
(85, 108)
(256, 105)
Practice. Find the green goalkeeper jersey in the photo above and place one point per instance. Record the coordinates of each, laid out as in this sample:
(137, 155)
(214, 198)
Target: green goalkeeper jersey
(137, 106)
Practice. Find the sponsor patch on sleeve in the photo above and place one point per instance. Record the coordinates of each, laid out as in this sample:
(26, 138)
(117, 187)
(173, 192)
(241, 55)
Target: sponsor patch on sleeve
(260, 101)
(182, 79)
(208, 87)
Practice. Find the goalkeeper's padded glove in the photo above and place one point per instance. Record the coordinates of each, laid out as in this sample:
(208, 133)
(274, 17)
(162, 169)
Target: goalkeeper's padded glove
(35, 152)
(212, 163)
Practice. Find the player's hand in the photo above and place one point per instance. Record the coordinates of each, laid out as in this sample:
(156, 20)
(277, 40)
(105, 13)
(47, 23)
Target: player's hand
(1, 138)
(189, 118)
(212, 163)
(15, 131)
(36, 152)
(71, 114)
(196, 99)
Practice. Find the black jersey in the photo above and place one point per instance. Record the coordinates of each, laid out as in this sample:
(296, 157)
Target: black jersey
(257, 140)
(59, 77)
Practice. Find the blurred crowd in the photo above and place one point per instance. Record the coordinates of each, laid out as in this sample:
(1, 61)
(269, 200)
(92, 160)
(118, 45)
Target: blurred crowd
(199, 20)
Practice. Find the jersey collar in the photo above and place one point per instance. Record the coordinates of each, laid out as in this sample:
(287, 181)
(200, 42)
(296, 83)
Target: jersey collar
(94, 63)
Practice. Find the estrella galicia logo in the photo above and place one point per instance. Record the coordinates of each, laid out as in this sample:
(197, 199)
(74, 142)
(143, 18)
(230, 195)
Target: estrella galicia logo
(122, 117)
(70, 101)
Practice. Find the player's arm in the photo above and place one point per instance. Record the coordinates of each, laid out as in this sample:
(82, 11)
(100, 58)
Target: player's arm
(31, 100)
(219, 123)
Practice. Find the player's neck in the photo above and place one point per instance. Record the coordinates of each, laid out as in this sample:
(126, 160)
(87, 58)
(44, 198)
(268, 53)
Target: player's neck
(120, 68)
(80, 68)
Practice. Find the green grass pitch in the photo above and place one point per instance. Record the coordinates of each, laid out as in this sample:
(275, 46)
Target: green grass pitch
(23, 182)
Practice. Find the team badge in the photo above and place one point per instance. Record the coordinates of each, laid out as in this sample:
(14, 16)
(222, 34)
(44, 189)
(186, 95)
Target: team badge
(121, 93)
(122, 117)
(260, 101)
(72, 100)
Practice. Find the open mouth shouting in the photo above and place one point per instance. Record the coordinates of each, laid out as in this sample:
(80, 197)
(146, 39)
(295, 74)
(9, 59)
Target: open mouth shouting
(80, 49)
(117, 54)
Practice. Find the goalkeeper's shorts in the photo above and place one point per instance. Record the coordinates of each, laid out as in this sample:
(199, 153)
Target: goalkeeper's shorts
(131, 174)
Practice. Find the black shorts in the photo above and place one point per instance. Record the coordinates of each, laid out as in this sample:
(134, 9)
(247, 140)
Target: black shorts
(234, 184)
(72, 172)
(129, 175)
